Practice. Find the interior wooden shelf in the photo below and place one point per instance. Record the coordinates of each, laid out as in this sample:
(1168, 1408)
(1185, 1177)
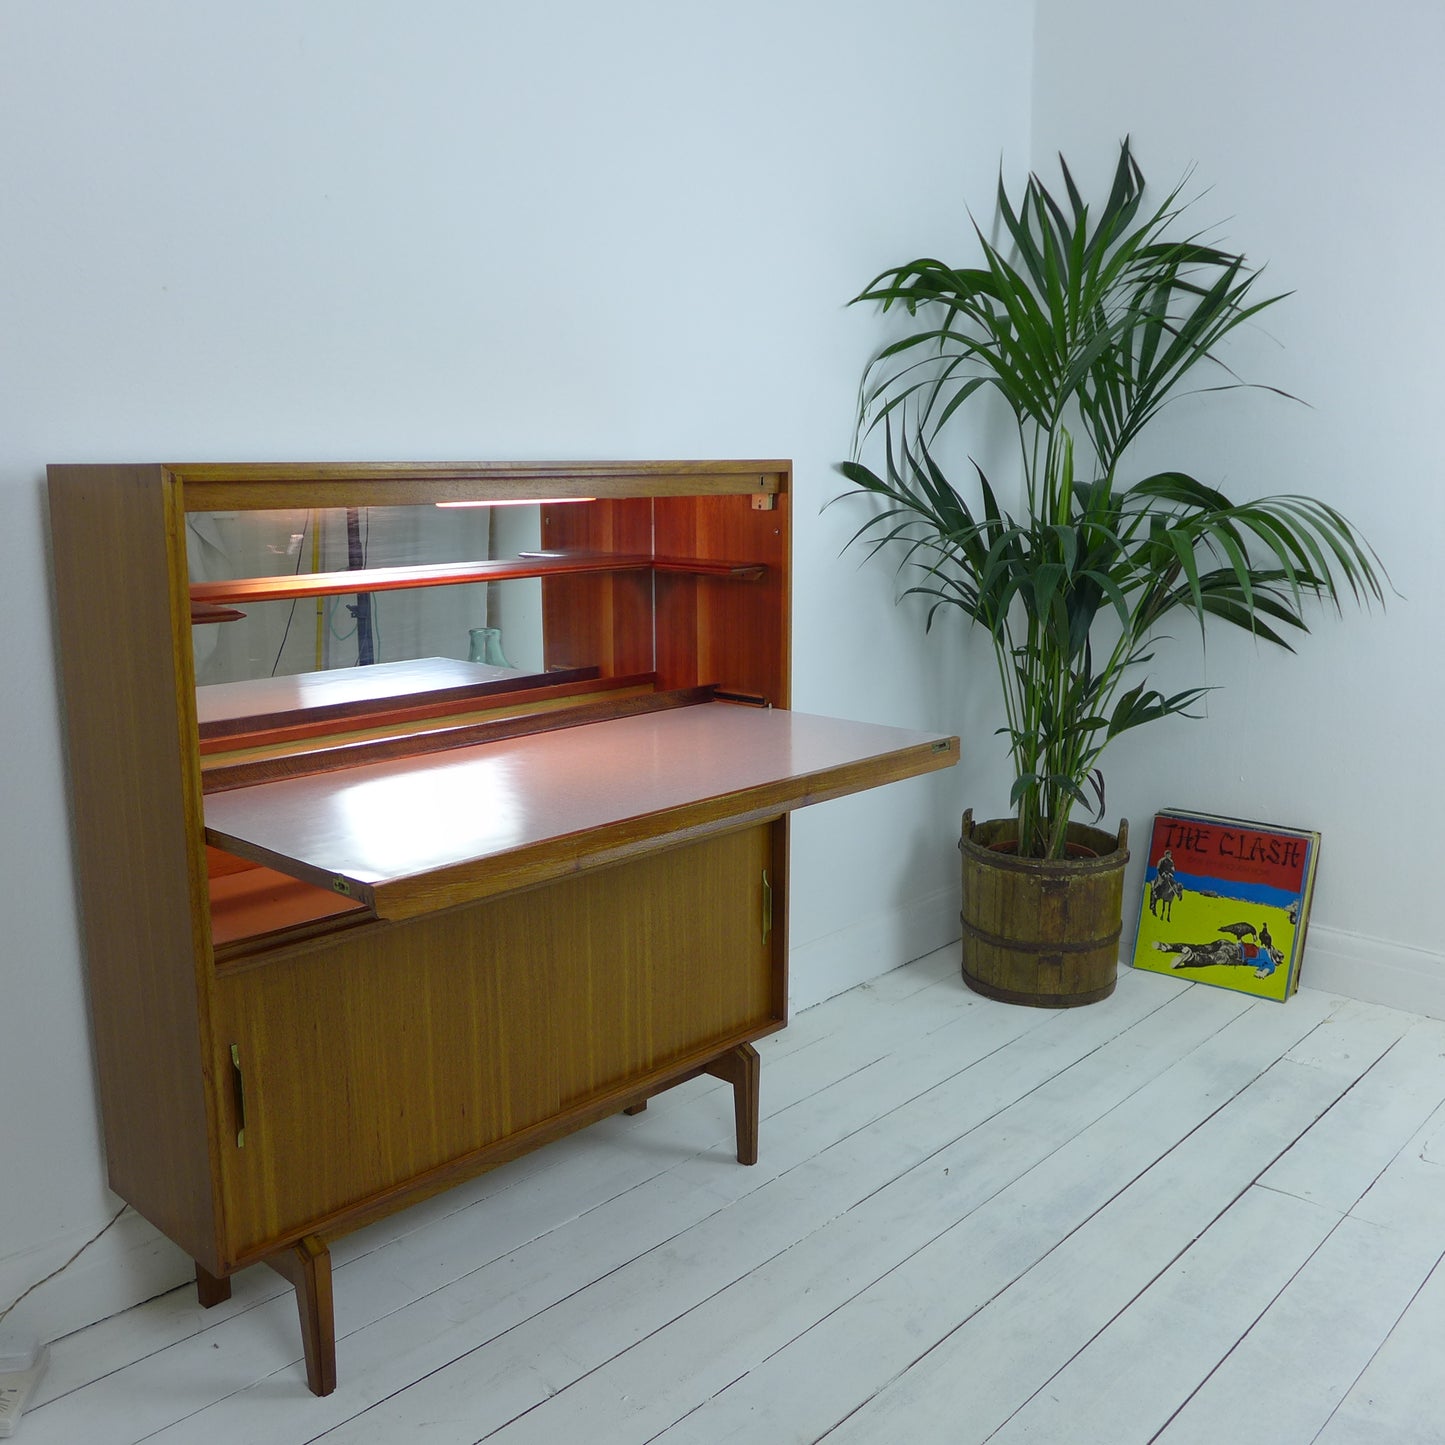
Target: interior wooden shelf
(741, 571)
(211, 612)
(247, 704)
(214, 595)
(304, 749)
(223, 752)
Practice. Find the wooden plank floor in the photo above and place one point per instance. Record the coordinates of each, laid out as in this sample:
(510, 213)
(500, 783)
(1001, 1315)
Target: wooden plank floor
(1177, 1216)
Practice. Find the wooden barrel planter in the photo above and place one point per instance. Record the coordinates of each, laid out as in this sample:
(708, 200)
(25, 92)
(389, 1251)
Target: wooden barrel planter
(1042, 931)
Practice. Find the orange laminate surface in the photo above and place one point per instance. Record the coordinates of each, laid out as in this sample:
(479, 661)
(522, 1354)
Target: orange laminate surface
(415, 834)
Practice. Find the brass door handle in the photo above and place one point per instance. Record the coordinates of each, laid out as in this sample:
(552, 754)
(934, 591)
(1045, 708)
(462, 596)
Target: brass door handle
(238, 1085)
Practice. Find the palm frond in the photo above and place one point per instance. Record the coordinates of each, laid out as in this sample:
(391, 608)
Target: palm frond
(1086, 322)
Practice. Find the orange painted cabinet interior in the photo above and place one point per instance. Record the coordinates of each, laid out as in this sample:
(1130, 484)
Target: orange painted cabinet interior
(423, 813)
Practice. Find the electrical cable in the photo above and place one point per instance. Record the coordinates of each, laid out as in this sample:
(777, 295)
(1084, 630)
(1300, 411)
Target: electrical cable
(295, 572)
(64, 1266)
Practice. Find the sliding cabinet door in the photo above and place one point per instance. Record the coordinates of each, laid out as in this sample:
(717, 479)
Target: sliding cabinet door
(418, 1052)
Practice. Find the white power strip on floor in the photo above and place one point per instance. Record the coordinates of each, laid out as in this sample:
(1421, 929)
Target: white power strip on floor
(19, 1375)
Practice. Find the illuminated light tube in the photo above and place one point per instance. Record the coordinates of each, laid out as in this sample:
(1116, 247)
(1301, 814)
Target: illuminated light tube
(520, 502)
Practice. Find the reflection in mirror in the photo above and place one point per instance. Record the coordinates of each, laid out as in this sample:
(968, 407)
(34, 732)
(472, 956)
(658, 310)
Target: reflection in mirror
(516, 607)
(499, 623)
(287, 637)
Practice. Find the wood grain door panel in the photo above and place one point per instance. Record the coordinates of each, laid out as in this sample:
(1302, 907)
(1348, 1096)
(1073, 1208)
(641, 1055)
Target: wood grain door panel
(398, 1050)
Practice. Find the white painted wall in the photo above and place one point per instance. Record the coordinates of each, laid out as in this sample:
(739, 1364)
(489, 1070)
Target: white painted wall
(1317, 131)
(439, 229)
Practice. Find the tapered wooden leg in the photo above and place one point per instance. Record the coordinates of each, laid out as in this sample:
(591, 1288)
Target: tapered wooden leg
(742, 1068)
(210, 1290)
(307, 1265)
(636, 1108)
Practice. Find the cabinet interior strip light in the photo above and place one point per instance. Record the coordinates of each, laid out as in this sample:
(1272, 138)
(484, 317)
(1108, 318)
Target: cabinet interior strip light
(520, 502)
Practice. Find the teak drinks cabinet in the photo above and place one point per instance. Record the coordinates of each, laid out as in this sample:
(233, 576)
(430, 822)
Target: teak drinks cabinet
(415, 829)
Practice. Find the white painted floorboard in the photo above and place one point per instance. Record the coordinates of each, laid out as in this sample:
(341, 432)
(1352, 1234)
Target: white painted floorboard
(1176, 1216)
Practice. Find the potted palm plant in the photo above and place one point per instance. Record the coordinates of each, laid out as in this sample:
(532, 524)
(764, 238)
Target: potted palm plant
(1085, 323)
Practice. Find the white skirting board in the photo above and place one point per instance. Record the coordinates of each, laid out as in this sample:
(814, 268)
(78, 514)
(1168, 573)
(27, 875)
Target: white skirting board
(875, 945)
(1374, 970)
(130, 1263)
